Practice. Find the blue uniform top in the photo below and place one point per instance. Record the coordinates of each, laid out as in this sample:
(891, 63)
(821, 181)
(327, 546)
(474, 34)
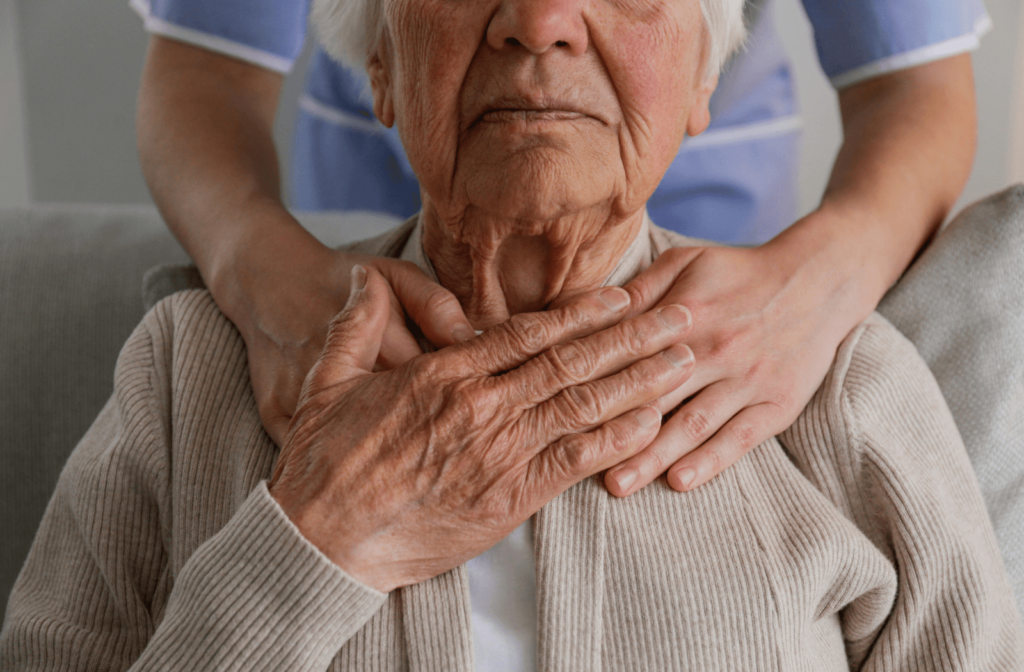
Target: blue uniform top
(734, 183)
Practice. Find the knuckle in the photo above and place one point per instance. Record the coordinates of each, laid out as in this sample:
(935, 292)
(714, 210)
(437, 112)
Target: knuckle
(724, 345)
(739, 342)
(640, 293)
(527, 331)
(636, 339)
(470, 399)
(713, 459)
(430, 372)
(632, 337)
(620, 436)
(581, 405)
(569, 363)
(423, 368)
(745, 435)
(575, 316)
(654, 462)
(696, 424)
(645, 376)
(336, 327)
(441, 302)
(572, 454)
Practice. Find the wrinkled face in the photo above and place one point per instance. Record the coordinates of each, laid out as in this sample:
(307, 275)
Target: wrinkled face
(537, 109)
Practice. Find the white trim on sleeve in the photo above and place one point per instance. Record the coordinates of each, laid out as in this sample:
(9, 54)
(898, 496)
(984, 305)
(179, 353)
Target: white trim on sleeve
(333, 115)
(760, 130)
(915, 57)
(243, 52)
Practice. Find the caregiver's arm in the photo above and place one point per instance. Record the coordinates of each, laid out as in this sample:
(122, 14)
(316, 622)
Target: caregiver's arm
(205, 126)
(768, 320)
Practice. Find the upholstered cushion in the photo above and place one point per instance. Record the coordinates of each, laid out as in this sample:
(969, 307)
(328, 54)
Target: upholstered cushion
(70, 295)
(962, 304)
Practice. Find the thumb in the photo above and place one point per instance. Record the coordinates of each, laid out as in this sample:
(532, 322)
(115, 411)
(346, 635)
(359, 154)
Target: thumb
(354, 336)
(650, 287)
(433, 308)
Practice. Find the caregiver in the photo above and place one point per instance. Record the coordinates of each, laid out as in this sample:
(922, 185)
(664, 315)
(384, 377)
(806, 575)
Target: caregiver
(767, 320)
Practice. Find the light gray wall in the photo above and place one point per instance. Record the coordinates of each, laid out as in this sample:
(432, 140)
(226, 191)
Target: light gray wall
(996, 77)
(81, 62)
(14, 187)
(820, 109)
(1016, 173)
(80, 69)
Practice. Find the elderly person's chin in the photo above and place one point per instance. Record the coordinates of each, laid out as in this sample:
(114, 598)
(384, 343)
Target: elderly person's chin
(537, 147)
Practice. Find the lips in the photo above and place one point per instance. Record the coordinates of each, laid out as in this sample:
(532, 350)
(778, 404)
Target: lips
(502, 116)
(522, 109)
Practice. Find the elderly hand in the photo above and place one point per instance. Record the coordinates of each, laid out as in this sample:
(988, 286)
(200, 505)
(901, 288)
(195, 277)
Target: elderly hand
(766, 328)
(286, 299)
(401, 475)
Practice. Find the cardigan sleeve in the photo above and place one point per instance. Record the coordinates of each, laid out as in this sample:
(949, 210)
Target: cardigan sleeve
(97, 593)
(902, 475)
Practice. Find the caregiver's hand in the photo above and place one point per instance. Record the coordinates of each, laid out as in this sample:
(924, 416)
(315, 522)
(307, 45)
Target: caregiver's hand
(283, 300)
(767, 321)
(401, 475)
(766, 326)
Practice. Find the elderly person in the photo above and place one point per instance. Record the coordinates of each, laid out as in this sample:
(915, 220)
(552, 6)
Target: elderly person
(207, 106)
(181, 538)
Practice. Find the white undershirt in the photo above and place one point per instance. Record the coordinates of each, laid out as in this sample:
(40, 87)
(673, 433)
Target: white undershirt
(503, 602)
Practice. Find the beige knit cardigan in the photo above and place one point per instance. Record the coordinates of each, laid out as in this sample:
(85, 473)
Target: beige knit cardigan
(857, 539)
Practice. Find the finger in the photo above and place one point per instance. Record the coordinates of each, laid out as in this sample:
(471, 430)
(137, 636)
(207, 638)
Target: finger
(580, 408)
(651, 286)
(353, 339)
(574, 457)
(595, 356)
(751, 427)
(688, 428)
(398, 345)
(433, 308)
(524, 336)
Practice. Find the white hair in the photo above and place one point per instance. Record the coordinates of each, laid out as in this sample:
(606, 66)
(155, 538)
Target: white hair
(349, 29)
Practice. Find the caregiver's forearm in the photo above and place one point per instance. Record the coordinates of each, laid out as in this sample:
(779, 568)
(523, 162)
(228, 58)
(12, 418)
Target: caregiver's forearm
(909, 141)
(205, 134)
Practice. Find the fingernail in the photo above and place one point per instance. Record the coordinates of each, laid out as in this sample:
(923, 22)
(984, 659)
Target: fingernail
(684, 477)
(462, 333)
(624, 478)
(615, 298)
(678, 355)
(358, 278)
(648, 416)
(674, 317)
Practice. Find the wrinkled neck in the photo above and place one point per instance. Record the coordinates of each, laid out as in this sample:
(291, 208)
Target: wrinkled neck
(498, 267)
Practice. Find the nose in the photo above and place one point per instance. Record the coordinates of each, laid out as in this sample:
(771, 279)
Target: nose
(538, 26)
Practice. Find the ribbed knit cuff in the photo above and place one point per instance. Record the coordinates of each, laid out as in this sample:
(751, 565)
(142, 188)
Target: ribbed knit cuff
(258, 595)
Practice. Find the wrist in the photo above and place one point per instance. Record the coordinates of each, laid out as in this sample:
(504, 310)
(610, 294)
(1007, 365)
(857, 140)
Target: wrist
(346, 546)
(256, 261)
(833, 253)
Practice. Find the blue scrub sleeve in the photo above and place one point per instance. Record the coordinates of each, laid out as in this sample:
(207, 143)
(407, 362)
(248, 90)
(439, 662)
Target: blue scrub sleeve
(268, 33)
(860, 39)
